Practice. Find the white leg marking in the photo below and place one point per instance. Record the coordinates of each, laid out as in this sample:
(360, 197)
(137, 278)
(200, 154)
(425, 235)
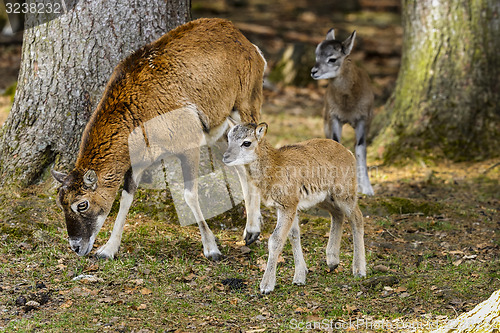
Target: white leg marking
(364, 185)
(251, 196)
(109, 249)
(359, 260)
(276, 243)
(298, 257)
(210, 249)
(333, 247)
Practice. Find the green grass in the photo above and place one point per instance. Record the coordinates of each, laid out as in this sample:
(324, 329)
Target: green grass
(161, 281)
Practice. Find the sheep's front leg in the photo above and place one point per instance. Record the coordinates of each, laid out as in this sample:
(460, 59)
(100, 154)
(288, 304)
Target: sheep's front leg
(251, 196)
(298, 257)
(276, 243)
(108, 250)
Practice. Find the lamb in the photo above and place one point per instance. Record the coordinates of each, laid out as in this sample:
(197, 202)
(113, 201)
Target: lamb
(348, 98)
(315, 172)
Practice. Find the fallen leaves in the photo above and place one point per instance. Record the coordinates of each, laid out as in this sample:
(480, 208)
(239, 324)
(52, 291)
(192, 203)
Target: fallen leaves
(139, 307)
(146, 291)
(67, 304)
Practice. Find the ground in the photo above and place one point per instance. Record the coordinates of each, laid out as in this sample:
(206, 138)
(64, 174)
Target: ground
(431, 230)
(432, 246)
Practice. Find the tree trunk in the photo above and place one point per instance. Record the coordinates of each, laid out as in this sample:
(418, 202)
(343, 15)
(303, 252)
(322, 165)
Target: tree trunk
(446, 101)
(485, 317)
(66, 64)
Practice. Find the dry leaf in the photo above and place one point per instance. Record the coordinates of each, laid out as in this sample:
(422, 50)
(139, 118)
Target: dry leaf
(138, 281)
(245, 249)
(92, 268)
(105, 300)
(146, 291)
(351, 308)
(189, 277)
(300, 310)
(67, 304)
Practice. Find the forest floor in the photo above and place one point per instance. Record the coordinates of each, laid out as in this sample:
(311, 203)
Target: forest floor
(431, 230)
(431, 234)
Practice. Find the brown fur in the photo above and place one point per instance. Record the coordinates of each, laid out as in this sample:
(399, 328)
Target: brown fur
(207, 63)
(157, 78)
(287, 174)
(314, 172)
(349, 97)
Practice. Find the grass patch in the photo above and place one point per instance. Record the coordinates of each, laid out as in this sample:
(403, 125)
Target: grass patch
(440, 261)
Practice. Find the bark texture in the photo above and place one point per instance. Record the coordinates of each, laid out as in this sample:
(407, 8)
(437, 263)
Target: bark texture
(485, 317)
(446, 101)
(66, 64)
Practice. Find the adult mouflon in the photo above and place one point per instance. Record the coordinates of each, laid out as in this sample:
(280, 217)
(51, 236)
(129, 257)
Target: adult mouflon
(168, 98)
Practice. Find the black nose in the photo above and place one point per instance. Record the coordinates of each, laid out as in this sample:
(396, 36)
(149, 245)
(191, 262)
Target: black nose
(314, 70)
(76, 249)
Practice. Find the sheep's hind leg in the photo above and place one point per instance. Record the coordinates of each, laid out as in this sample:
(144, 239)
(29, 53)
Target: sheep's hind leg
(190, 164)
(298, 257)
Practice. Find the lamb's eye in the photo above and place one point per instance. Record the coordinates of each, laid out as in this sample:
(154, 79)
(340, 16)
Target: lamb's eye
(82, 206)
(332, 60)
(246, 144)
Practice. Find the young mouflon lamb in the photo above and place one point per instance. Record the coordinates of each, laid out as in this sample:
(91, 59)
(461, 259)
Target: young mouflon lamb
(315, 172)
(348, 98)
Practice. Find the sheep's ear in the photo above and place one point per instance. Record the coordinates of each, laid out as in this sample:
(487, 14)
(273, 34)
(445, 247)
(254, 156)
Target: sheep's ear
(330, 35)
(59, 176)
(260, 131)
(348, 43)
(90, 180)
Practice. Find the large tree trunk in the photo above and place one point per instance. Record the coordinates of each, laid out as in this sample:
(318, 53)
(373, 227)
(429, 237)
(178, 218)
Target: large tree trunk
(446, 100)
(65, 66)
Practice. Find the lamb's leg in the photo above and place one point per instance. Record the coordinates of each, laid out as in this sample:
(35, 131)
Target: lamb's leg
(298, 257)
(252, 206)
(190, 164)
(358, 261)
(333, 246)
(364, 185)
(108, 250)
(276, 243)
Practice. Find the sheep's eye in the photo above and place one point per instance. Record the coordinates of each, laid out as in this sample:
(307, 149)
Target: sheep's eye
(82, 206)
(246, 144)
(332, 60)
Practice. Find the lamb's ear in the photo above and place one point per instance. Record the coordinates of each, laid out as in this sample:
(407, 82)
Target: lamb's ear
(90, 180)
(59, 176)
(330, 35)
(231, 122)
(349, 43)
(260, 131)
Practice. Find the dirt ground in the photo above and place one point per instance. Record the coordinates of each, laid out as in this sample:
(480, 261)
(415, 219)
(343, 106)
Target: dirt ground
(431, 230)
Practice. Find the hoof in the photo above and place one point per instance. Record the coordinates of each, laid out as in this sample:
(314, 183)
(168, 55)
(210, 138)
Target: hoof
(251, 237)
(104, 256)
(102, 253)
(333, 267)
(266, 291)
(215, 257)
